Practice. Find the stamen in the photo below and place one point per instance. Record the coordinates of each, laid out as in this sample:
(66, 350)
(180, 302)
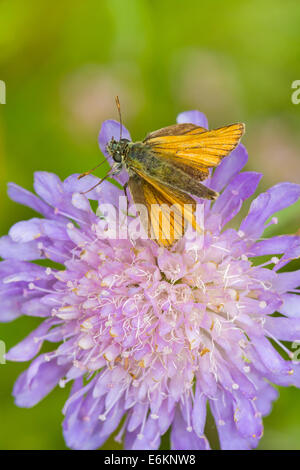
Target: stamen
(71, 216)
(32, 286)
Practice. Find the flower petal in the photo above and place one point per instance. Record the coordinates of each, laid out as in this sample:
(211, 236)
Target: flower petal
(149, 439)
(275, 199)
(11, 305)
(193, 117)
(35, 308)
(49, 187)
(106, 192)
(287, 281)
(22, 196)
(74, 185)
(229, 168)
(290, 306)
(26, 230)
(29, 346)
(267, 394)
(199, 411)
(19, 251)
(81, 426)
(37, 381)
(183, 439)
(247, 419)
(230, 201)
(274, 245)
(286, 329)
(230, 438)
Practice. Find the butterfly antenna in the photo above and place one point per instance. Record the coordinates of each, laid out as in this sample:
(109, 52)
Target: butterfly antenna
(90, 171)
(120, 116)
(97, 184)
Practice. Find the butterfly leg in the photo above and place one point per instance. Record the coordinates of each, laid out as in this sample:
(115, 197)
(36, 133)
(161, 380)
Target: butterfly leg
(125, 186)
(125, 189)
(126, 195)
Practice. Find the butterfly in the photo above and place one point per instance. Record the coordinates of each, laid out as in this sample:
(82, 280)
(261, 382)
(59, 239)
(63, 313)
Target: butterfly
(166, 169)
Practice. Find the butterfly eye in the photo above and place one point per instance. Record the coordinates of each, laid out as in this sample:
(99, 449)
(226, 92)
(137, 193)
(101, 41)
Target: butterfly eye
(117, 157)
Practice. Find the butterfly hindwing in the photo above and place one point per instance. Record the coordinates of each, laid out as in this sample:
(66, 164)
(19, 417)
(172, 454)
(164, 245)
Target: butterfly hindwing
(175, 129)
(167, 210)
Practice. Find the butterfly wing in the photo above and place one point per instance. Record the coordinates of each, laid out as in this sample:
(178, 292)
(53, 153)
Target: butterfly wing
(175, 129)
(195, 149)
(167, 209)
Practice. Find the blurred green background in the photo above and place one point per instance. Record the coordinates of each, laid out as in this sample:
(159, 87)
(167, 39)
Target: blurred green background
(64, 62)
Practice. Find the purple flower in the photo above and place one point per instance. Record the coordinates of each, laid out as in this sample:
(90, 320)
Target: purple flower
(148, 334)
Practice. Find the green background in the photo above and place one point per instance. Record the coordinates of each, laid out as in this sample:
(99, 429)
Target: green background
(63, 63)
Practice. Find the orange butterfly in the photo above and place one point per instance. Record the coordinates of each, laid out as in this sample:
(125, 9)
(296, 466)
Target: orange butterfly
(166, 168)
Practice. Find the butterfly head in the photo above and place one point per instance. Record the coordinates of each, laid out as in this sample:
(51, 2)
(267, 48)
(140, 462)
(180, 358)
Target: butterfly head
(117, 149)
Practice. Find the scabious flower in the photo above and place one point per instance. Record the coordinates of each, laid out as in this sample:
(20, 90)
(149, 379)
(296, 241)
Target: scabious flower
(150, 336)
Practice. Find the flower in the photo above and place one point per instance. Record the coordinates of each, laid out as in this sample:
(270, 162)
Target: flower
(149, 336)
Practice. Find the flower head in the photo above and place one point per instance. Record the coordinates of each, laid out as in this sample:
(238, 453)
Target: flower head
(149, 336)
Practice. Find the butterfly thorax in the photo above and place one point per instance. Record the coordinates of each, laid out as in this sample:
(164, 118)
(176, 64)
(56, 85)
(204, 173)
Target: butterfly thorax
(141, 160)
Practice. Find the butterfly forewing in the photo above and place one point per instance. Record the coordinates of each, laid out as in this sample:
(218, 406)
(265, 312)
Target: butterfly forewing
(197, 147)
